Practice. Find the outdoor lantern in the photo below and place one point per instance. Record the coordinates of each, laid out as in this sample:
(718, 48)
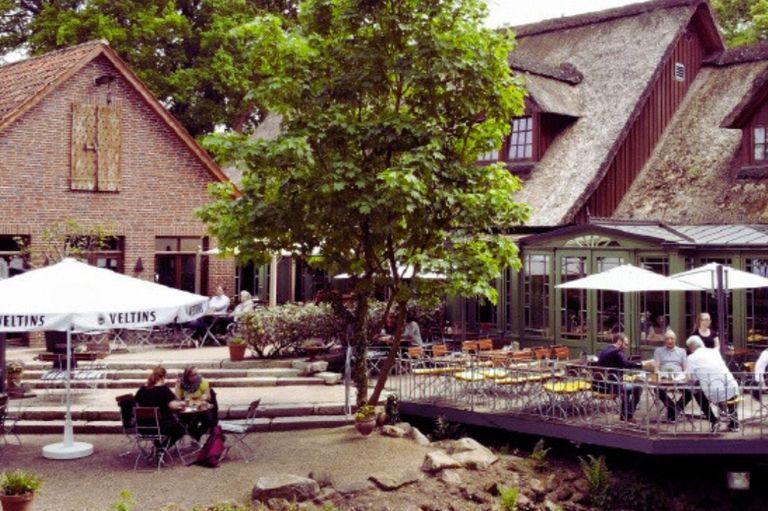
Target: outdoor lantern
(139, 266)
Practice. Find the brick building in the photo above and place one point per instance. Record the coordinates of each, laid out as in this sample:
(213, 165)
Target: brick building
(81, 138)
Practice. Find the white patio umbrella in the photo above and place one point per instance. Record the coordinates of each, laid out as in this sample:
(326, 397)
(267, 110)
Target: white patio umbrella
(719, 278)
(627, 278)
(72, 296)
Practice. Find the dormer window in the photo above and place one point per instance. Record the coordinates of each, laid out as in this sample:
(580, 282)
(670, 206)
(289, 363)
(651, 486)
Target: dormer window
(758, 155)
(518, 146)
(521, 139)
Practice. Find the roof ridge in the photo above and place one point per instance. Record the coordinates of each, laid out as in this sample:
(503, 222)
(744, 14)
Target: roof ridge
(590, 18)
(56, 52)
(740, 55)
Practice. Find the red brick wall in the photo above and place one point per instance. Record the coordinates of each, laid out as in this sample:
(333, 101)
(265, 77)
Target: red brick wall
(162, 183)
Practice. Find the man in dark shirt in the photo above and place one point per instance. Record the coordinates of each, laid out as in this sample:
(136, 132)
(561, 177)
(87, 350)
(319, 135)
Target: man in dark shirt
(613, 357)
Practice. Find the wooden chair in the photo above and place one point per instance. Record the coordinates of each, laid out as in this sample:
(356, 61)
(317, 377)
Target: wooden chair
(485, 344)
(541, 353)
(440, 350)
(524, 355)
(469, 347)
(560, 352)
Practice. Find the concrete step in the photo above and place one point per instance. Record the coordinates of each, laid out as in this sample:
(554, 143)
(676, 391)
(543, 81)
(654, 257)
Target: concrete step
(114, 427)
(259, 381)
(171, 365)
(269, 418)
(214, 373)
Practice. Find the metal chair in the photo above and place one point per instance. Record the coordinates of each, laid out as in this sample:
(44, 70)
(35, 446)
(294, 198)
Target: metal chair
(239, 431)
(151, 443)
(127, 403)
(8, 424)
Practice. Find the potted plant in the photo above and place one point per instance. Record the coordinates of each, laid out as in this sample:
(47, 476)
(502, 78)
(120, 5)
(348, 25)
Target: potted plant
(365, 419)
(13, 372)
(17, 490)
(236, 349)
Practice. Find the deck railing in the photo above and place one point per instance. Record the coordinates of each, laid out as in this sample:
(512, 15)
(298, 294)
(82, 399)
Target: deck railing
(579, 395)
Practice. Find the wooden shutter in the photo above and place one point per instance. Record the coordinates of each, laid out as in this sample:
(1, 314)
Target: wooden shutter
(84, 147)
(109, 148)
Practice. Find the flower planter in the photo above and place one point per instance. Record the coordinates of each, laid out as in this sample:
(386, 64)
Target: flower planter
(366, 427)
(13, 385)
(236, 352)
(17, 502)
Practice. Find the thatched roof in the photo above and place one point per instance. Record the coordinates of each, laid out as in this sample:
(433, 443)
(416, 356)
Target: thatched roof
(618, 52)
(267, 129)
(691, 178)
(554, 96)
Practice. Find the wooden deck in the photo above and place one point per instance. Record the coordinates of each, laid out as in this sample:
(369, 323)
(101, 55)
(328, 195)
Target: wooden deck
(548, 402)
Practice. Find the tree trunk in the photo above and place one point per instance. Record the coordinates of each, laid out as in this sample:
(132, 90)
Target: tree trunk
(360, 348)
(394, 350)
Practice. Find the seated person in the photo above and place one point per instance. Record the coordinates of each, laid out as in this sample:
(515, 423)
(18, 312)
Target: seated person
(708, 369)
(157, 394)
(218, 304)
(193, 387)
(671, 359)
(412, 333)
(760, 366)
(613, 357)
(245, 305)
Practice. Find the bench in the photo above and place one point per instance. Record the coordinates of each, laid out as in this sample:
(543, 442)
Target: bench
(83, 378)
(93, 359)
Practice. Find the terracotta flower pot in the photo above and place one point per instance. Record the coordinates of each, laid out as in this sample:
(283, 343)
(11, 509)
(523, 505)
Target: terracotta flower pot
(17, 502)
(236, 352)
(366, 427)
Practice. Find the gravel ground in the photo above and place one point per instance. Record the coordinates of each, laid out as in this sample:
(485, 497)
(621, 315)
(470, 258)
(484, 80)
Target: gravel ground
(95, 482)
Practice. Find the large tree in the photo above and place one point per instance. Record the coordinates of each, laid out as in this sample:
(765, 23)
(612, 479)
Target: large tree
(180, 48)
(742, 21)
(385, 106)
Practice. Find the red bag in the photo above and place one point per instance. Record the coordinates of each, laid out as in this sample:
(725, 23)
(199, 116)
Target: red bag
(211, 453)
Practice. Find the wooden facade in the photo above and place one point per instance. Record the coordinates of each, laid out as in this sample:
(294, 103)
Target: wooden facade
(665, 94)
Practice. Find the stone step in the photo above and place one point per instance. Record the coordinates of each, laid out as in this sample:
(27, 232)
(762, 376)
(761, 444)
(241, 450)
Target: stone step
(142, 374)
(269, 418)
(146, 367)
(261, 381)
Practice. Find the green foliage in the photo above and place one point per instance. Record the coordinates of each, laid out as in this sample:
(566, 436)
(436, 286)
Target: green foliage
(392, 409)
(596, 472)
(126, 502)
(182, 49)
(67, 238)
(508, 497)
(281, 330)
(385, 107)
(365, 412)
(19, 482)
(539, 452)
(446, 430)
(14, 367)
(742, 21)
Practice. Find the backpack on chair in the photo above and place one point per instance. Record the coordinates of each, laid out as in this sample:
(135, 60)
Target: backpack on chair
(211, 452)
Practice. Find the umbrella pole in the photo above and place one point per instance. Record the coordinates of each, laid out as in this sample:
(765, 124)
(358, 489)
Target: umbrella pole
(721, 309)
(68, 434)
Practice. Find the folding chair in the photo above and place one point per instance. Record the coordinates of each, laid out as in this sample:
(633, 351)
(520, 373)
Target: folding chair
(150, 440)
(239, 431)
(127, 403)
(440, 350)
(485, 344)
(8, 424)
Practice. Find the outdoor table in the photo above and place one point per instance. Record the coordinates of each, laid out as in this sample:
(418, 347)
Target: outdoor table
(189, 413)
(213, 322)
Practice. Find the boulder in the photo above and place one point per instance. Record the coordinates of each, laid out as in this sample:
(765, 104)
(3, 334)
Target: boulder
(479, 459)
(284, 486)
(436, 461)
(390, 482)
(404, 426)
(329, 378)
(418, 437)
(393, 431)
(310, 367)
(462, 445)
(451, 477)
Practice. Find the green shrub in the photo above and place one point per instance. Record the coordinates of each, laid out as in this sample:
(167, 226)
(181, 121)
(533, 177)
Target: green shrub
(19, 482)
(509, 498)
(392, 409)
(126, 502)
(539, 452)
(446, 430)
(599, 478)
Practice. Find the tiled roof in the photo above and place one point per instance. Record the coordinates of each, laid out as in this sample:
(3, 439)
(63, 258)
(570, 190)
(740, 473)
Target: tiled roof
(24, 80)
(711, 235)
